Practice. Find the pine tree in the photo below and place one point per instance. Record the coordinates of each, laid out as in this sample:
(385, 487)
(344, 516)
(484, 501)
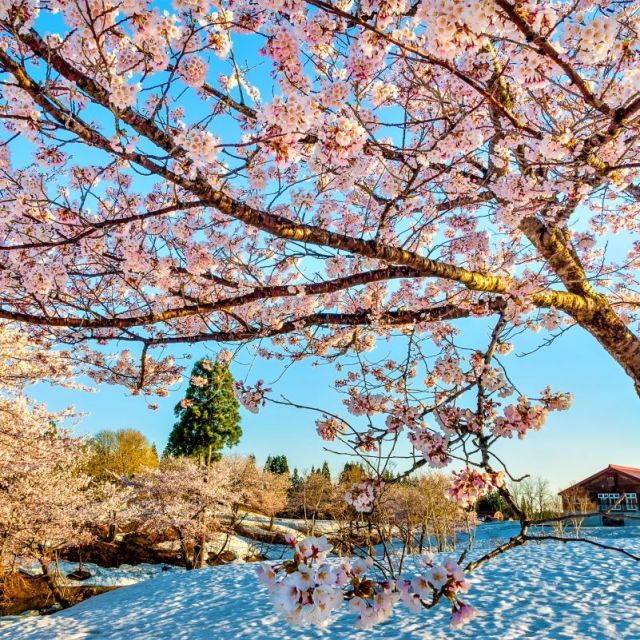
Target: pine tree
(284, 464)
(296, 480)
(208, 416)
(352, 472)
(277, 464)
(325, 470)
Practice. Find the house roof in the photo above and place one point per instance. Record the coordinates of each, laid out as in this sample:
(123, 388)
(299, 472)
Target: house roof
(631, 472)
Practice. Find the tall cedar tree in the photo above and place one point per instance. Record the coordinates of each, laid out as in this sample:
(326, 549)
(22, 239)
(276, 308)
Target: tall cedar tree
(208, 417)
(277, 464)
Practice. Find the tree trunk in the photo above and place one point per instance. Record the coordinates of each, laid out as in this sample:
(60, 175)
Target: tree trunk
(200, 548)
(188, 563)
(113, 530)
(57, 594)
(594, 312)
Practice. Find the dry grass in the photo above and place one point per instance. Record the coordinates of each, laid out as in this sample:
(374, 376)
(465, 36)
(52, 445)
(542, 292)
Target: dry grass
(19, 592)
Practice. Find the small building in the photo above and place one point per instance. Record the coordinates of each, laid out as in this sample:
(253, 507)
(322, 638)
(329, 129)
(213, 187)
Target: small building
(613, 491)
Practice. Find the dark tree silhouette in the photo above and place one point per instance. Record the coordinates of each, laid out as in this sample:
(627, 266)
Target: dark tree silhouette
(277, 464)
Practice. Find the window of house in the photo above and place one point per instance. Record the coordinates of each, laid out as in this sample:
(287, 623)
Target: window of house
(607, 500)
(632, 502)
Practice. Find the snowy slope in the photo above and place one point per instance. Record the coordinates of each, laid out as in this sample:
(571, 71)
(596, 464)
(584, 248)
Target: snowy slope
(543, 592)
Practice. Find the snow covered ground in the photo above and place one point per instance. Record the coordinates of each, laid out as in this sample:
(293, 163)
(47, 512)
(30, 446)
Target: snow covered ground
(122, 576)
(548, 591)
(241, 546)
(295, 525)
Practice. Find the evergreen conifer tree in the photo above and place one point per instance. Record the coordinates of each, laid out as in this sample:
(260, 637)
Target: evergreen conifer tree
(352, 472)
(277, 464)
(296, 480)
(208, 416)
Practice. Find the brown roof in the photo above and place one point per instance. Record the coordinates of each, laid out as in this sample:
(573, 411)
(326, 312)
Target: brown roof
(632, 472)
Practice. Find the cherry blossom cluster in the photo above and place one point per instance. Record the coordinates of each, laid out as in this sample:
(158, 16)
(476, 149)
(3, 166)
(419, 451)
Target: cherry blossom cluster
(251, 398)
(369, 403)
(449, 371)
(470, 484)
(308, 590)
(283, 48)
(366, 441)
(454, 419)
(524, 416)
(342, 139)
(446, 578)
(329, 427)
(450, 25)
(193, 70)
(593, 40)
(202, 147)
(149, 375)
(433, 446)
(388, 10)
(363, 495)
(404, 416)
(556, 401)
(283, 122)
(123, 94)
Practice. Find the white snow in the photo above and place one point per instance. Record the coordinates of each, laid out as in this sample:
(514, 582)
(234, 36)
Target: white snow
(122, 576)
(240, 546)
(294, 525)
(541, 591)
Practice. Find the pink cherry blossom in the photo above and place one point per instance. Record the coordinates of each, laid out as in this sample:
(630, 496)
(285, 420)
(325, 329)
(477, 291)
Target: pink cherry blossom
(471, 484)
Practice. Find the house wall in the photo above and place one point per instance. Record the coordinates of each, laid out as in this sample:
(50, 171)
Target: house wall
(608, 482)
(597, 521)
(612, 483)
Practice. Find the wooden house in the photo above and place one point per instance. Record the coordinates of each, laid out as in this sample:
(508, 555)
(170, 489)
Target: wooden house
(613, 492)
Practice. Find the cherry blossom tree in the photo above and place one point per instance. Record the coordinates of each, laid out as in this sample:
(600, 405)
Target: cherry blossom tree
(44, 496)
(185, 498)
(273, 493)
(405, 166)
